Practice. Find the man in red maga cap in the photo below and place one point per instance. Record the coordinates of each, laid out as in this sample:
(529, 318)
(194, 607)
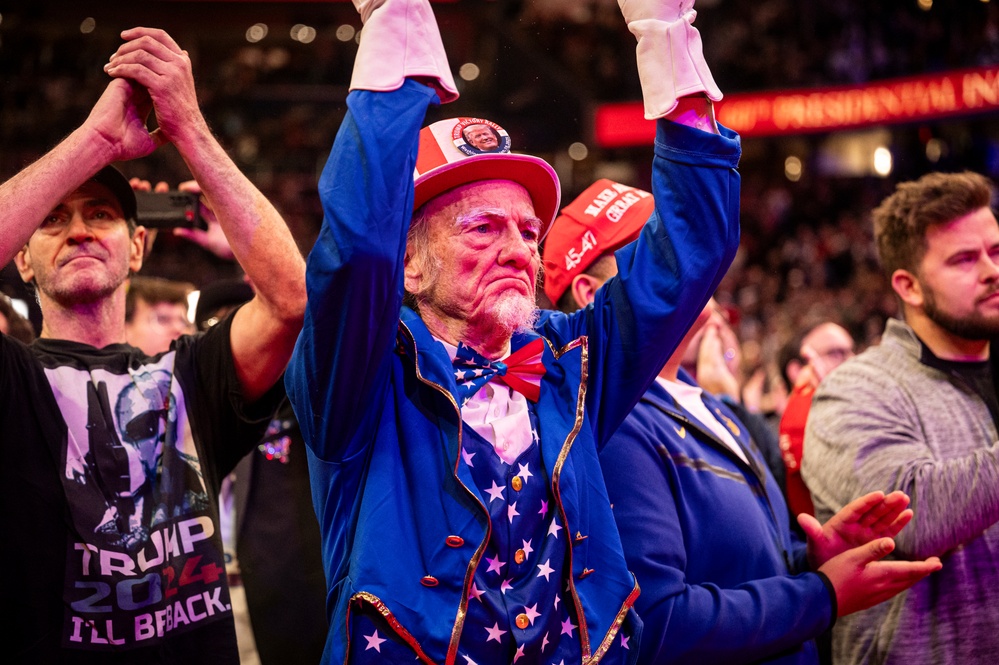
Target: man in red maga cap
(453, 429)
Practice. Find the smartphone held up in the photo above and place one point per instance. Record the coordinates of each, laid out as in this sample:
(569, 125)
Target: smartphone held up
(159, 210)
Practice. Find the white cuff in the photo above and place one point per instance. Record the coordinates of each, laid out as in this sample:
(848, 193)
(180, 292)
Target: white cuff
(400, 40)
(671, 63)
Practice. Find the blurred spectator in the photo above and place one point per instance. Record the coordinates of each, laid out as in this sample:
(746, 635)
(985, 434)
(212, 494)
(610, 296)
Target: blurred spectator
(808, 358)
(13, 324)
(156, 313)
(266, 512)
(713, 359)
(703, 524)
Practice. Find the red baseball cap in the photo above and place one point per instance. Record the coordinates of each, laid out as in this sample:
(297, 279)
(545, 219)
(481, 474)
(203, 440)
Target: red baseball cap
(605, 217)
(459, 151)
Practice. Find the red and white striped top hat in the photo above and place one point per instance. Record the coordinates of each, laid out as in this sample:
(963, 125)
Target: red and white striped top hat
(458, 151)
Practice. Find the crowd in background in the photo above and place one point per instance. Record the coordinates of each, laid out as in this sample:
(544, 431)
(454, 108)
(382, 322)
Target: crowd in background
(780, 43)
(806, 253)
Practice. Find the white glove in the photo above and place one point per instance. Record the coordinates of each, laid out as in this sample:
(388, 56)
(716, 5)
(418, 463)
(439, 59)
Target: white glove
(400, 40)
(670, 59)
(365, 7)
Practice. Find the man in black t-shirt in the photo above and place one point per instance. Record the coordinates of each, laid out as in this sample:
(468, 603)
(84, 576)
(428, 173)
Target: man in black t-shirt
(113, 459)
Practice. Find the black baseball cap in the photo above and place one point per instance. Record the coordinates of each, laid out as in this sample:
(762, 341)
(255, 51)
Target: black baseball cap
(113, 179)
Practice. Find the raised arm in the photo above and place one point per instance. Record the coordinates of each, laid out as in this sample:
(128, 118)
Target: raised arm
(264, 331)
(115, 130)
(355, 270)
(665, 277)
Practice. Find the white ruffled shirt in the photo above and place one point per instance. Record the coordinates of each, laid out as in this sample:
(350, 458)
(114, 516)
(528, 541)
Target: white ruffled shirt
(498, 414)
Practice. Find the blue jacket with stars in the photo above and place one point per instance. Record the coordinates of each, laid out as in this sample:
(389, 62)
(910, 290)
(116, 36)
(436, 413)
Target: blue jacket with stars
(707, 535)
(403, 525)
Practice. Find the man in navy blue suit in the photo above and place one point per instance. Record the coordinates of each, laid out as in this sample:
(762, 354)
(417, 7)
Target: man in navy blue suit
(702, 520)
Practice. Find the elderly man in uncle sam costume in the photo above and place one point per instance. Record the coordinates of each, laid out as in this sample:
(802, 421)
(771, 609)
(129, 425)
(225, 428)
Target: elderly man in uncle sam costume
(453, 430)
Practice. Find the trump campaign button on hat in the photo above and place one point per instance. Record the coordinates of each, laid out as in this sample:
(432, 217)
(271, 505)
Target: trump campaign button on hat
(459, 151)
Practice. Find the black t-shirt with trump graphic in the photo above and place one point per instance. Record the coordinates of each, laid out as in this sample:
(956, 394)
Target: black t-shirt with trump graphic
(112, 463)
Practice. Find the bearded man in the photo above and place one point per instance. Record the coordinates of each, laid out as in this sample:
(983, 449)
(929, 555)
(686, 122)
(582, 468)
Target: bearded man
(453, 441)
(917, 413)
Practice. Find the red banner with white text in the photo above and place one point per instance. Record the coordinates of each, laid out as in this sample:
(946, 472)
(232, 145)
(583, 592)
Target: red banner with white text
(908, 99)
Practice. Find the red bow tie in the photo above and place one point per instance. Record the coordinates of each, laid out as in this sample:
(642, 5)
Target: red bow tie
(521, 370)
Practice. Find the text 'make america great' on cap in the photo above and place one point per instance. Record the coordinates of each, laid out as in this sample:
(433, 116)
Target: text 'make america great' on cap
(605, 217)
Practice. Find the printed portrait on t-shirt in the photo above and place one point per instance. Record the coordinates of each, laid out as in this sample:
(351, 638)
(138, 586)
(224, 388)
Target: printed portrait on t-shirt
(145, 560)
(132, 457)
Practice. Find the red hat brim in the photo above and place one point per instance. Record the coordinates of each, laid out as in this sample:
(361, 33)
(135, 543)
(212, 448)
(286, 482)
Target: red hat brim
(534, 174)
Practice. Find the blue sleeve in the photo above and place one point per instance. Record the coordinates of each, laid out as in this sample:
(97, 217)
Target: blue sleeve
(665, 277)
(699, 623)
(354, 272)
(799, 551)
